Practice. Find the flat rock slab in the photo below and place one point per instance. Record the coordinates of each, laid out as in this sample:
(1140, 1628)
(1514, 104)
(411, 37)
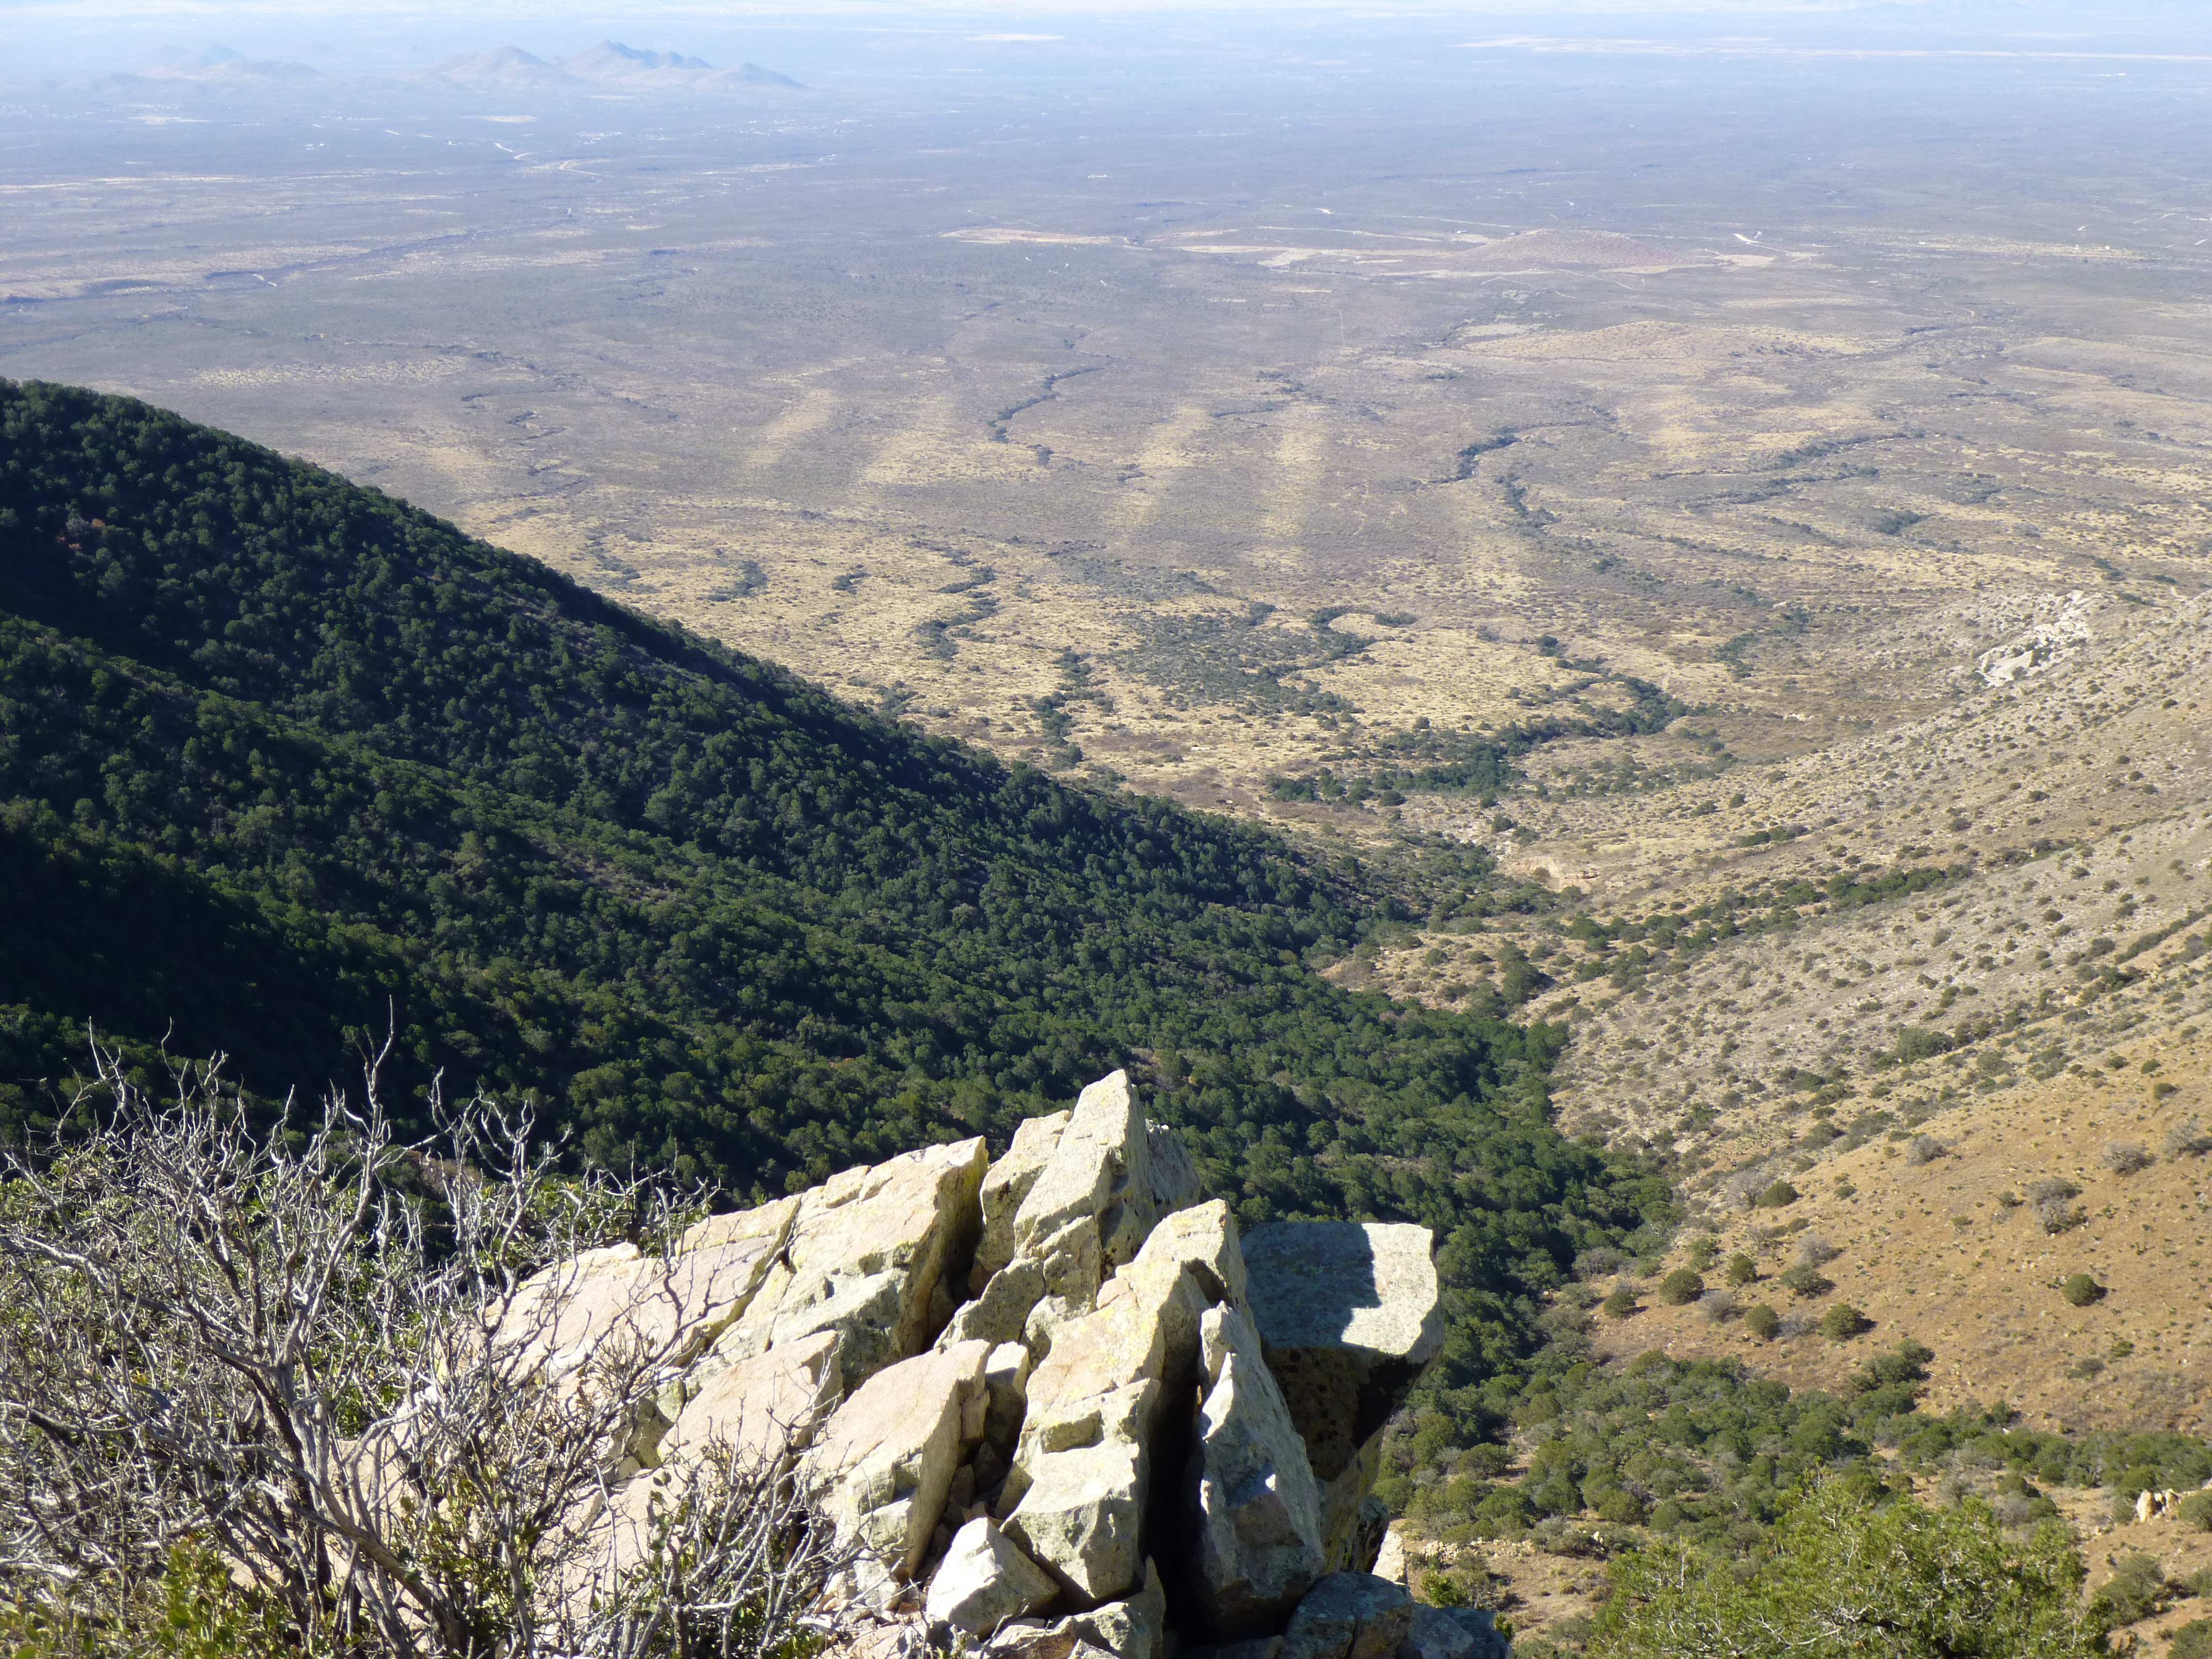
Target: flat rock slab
(1350, 1315)
(883, 1466)
(1350, 1615)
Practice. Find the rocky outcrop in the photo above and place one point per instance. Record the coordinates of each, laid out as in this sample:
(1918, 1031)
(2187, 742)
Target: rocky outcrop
(1351, 1315)
(1257, 1511)
(1098, 1402)
(675, 1305)
(1350, 1615)
(1006, 1186)
(868, 1257)
(1047, 1398)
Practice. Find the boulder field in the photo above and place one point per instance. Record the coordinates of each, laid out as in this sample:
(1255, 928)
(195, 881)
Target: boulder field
(1056, 1400)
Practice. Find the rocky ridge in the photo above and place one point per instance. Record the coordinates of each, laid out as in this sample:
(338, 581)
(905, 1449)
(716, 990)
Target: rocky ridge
(1058, 1404)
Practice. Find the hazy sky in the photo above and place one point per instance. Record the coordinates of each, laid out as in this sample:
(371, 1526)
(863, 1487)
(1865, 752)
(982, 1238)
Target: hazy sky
(47, 37)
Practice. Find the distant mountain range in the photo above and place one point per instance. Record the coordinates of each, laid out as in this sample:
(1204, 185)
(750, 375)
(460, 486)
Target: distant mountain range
(216, 62)
(609, 63)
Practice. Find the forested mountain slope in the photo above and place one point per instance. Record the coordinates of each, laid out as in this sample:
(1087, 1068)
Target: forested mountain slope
(278, 753)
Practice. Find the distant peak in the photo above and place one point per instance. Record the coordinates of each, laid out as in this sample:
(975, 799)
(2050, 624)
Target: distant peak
(614, 57)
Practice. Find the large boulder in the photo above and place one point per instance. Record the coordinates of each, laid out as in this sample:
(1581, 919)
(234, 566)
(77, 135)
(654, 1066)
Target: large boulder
(1082, 1478)
(883, 1466)
(984, 1580)
(1350, 1615)
(1351, 1315)
(674, 1306)
(867, 1257)
(1110, 1176)
(1257, 1510)
(1435, 1634)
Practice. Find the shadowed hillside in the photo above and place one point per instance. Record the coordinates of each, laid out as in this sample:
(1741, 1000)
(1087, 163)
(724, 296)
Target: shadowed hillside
(284, 759)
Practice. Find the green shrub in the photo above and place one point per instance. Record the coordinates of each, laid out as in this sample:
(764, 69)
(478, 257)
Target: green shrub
(1620, 1303)
(1778, 1196)
(2195, 1511)
(1850, 1573)
(1742, 1270)
(2081, 1291)
(1843, 1321)
(2132, 1593)
(1681, 1287)
(1762, 1322)
(1439, 1591)
(1702, 1250)
(2192, 1641)
(1806, 1281)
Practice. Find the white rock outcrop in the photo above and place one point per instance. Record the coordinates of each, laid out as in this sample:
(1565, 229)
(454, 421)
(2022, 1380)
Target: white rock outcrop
(1049, 1397)
(867, 1257)
(1083, 1472)
(883, 1467)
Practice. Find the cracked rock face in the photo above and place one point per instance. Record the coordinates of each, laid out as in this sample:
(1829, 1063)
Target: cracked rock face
(1101, 1399)
(883, 1465)
(1055, 1394)
(1257, 1510)
(867, 1258)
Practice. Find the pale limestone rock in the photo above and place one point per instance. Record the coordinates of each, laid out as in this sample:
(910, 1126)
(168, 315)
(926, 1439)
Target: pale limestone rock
(1349, 1616)
(677, 1306)
(1046, 1320)
(984, 1580)
(905, 1638)
(764, 1410)
(1435, 1634)
(1135, 1628)
(1072, 1260)
(866, 1257)
(1000, 1313)
(883, 1467)
(1030, 1638)
(763, 1407)
(1350, 1315)
(1204, 1236)
(1257, 1510)
(1390, 1560)
(1089, 1163)
(1006, 1185)
(1083, 1481)
(1082, 1478)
